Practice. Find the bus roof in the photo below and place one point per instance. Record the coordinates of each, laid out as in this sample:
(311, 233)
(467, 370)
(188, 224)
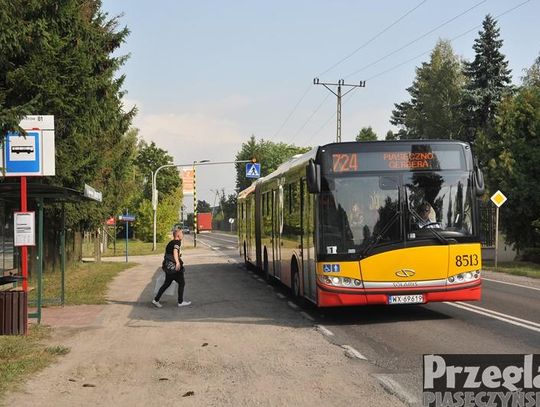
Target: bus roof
(303, 159)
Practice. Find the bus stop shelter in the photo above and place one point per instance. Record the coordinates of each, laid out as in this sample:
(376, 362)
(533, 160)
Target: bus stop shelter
(39, 195)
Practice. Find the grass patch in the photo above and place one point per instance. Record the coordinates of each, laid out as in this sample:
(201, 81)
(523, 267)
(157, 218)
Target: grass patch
(517, 268)
(135, 248)
(86, 283)
(21, 356)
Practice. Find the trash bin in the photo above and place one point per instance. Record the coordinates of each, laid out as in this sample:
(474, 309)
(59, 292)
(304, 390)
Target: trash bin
(13, 311)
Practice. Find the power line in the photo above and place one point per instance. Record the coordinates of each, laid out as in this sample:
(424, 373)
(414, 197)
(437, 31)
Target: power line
(338, 63)
(424, 53)
(416, 39)
(451, 39)
(413, 41)
(311, 116)
(292, 111)
(371, 39)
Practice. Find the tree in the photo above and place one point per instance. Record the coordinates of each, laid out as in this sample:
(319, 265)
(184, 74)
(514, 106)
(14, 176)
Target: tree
(532, 75)
(269, 154)
(488, 79)
(203, 207)
(366, 134)
(390, 135)
(432, 112)
(515, 165)
(149, 159)
(167, 217)
(59, 58)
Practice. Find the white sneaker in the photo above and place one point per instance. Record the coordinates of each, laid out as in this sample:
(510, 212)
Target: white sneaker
(184, 303)
(156, 304)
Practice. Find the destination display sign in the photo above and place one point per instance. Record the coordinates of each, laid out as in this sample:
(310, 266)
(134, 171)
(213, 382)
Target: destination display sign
(396, 160)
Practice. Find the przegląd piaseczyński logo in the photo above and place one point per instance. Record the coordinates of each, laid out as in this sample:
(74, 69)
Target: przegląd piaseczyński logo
(481, 380)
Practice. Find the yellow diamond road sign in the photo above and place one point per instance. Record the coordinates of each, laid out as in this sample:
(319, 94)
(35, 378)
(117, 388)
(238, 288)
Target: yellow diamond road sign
(498, 198)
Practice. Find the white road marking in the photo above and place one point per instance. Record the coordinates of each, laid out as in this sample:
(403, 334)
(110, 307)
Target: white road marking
(325, 331)
(514, 284)
(307, 316)
(232, 247)
(393, 387)
(353, 353)
(280, 295)
(217, 238)
(533, 326)
(260, 280)
(204, 243)
(292, 305)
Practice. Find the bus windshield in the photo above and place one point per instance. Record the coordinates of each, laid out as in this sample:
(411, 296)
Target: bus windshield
(360, 211)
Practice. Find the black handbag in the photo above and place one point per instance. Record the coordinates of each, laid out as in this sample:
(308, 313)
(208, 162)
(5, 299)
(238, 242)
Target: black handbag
(169, 265)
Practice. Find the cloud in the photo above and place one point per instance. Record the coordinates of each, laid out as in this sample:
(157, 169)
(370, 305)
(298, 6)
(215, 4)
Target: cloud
(192, 137)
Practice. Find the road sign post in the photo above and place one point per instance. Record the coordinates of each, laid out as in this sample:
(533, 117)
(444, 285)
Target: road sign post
(498, 199)
(126, 218)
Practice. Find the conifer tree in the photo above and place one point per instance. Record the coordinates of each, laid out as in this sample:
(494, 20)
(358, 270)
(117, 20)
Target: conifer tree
(488, 80)
(435, 93)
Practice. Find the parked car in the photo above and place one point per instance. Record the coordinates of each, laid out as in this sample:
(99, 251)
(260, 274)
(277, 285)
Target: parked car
(185, 230)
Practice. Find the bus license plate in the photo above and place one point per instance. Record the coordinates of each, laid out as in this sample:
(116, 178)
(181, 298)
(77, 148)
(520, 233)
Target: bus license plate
(406, 299)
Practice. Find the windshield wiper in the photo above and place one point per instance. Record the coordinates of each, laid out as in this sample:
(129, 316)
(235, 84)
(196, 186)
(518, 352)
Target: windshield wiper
(375, 237)
(437, 235)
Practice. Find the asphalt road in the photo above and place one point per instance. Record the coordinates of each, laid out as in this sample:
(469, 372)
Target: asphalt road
(394, 338)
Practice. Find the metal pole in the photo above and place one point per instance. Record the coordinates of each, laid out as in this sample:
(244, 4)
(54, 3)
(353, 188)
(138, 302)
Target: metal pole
(339, 84)
(154, 206)
(24, 249)
(40, 261)
(127, 234)
(338, 134)
(194, 209)
(496, 235)
(63, 257)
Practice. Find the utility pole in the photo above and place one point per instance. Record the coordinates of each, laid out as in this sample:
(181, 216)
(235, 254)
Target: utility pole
(339, 95)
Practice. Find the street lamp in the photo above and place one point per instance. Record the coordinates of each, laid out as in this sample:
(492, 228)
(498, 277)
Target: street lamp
(155, 193)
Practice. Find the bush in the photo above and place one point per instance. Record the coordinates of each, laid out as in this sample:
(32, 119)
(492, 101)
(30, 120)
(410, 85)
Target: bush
(532, 254)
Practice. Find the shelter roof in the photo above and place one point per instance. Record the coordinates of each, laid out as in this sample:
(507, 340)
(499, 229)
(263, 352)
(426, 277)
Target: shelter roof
(10, 191)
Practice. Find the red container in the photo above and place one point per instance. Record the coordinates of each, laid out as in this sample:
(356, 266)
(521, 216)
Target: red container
(204, 222)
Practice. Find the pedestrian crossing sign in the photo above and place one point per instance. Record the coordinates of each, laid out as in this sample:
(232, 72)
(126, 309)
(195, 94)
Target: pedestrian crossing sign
(253, 170)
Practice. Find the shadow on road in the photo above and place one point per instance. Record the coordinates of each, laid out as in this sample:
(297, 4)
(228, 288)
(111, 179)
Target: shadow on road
(225, 292)
(220, 292)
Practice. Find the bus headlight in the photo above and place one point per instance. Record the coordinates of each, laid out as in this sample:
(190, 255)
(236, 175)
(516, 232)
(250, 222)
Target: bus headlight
(464, 277)
(340, 281)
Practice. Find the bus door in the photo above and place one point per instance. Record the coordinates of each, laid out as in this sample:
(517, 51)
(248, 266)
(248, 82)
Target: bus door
(308, 248)
(277, 228)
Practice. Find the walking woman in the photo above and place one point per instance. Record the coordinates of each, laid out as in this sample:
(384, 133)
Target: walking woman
(174, 270)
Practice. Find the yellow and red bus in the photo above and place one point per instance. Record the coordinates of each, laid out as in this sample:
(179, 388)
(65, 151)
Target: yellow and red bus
(387, 222)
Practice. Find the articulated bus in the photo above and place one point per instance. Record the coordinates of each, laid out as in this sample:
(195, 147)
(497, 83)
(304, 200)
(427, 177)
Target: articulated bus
(358, 223)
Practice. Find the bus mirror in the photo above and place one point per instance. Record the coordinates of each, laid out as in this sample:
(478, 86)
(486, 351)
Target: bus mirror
(313, 177)
(479, 182)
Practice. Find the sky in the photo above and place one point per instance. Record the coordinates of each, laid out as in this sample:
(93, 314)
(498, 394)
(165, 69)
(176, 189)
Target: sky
(206, 75)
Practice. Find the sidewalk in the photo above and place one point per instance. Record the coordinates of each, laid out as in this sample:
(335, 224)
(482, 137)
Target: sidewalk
(237, 345)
